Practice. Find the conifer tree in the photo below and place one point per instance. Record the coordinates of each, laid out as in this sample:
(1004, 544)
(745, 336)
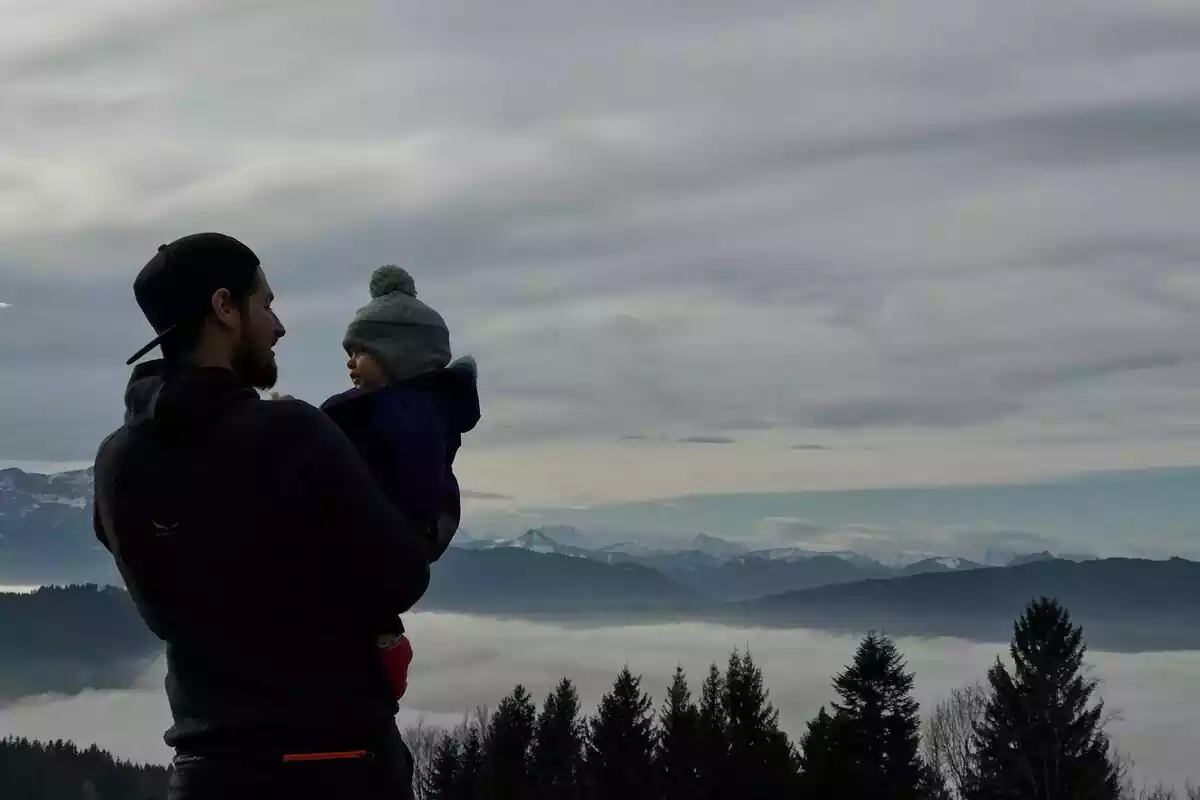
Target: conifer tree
(447, 769)
(761, 761)
(619, 753)
(468, 786)
(677, 761)
(1042, 737)
(821, 765)
(507, 748)
(714, 736)
(870, 746)
(558, 745)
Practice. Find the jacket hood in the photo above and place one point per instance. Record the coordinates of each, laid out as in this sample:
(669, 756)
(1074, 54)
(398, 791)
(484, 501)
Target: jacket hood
(458, 391)
(172, 400)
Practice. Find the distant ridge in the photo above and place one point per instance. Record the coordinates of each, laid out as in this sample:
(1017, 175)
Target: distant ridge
(70, 638)
(1123, 603)
(512, 580)
(1128, 605)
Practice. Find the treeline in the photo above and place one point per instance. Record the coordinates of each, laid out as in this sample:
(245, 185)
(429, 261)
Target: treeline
(1034, 731)
(61, 771)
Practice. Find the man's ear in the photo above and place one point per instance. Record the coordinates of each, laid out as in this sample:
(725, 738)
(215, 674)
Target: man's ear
(225, 310)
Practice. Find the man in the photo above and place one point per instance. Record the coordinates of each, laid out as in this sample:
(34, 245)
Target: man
(256, 544)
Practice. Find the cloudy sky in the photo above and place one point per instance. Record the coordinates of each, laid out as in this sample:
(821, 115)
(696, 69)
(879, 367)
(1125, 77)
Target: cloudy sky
(696, 248)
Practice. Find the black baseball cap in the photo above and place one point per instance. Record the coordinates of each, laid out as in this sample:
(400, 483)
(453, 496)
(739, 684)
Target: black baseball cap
(176, 286)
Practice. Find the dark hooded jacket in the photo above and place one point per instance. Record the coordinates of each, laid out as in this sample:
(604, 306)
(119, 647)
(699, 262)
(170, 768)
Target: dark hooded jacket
(257, 546)
(408, 433)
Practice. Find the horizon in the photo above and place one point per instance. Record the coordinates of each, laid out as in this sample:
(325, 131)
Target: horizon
(1144, 513)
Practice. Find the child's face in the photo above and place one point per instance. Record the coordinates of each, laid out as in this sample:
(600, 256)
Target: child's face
(365, 371)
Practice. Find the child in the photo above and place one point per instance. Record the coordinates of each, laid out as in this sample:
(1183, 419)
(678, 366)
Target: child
(406, 415)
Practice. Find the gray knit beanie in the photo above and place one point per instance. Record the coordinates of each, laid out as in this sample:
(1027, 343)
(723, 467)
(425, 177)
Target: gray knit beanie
(408, 337)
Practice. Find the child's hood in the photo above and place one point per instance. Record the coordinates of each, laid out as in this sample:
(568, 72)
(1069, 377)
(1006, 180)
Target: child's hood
(453, 389)
(457, 391)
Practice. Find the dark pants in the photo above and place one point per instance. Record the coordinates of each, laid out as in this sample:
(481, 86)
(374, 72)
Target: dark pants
(385, 774)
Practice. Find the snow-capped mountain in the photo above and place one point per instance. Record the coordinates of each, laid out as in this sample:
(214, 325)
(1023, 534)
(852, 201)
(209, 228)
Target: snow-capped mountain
(537, 540)
(23, 493)
(570, 536)
(712, 546)
(938, 564)
(796, 554)
(46, 528)
(46, 536)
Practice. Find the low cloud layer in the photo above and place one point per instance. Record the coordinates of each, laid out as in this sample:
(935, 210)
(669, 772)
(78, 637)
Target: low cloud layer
(462, 662)
(947, 232)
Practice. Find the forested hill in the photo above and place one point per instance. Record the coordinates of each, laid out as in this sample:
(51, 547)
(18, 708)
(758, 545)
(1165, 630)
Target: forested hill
(1126, 604)
(72, 638)
(61, 771)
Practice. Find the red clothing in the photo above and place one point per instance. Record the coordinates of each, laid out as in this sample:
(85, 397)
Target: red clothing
(397, 653)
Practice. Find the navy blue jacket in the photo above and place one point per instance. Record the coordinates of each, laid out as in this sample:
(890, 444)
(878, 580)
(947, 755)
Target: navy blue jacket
(408, 433)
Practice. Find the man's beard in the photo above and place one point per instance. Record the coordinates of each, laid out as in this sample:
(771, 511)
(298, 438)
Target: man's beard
(252, 369)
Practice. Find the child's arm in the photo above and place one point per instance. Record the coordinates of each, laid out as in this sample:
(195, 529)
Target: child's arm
(412, 450)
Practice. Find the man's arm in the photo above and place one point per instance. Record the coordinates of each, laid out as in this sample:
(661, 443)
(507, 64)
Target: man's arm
(99, 476)
(412, 443)
(376, 561)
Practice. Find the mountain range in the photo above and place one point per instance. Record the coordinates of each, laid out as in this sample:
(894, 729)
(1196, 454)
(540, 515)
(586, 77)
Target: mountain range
(46, 530)
(66, 639)
(46, 537)
(722, 570)
(1124, 604)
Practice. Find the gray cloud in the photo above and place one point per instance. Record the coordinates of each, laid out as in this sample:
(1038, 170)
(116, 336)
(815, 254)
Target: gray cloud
(749, 216)
(918, 413)
(479, 660)
(469, 494)
(706, 440)
(809, 447)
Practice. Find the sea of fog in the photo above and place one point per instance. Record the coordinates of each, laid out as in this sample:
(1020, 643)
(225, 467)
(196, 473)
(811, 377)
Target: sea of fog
(464, 661)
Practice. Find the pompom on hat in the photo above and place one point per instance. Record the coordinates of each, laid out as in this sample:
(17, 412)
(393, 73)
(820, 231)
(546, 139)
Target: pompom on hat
(390, 279)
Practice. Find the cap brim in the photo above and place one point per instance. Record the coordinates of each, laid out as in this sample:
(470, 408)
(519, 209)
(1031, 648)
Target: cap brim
(155, 342)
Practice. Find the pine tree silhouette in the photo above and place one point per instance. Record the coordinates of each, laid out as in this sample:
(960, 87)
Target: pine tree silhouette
(507, 748)
(618, 763)
(468, 785)
(677, 761)
(761, 761)
(822, 760)
(447, 769)
(1041, 737)
(558, 746)
(870, 746)
(714, 736)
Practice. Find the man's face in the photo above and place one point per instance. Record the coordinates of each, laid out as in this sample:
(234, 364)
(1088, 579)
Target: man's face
(254, 356)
